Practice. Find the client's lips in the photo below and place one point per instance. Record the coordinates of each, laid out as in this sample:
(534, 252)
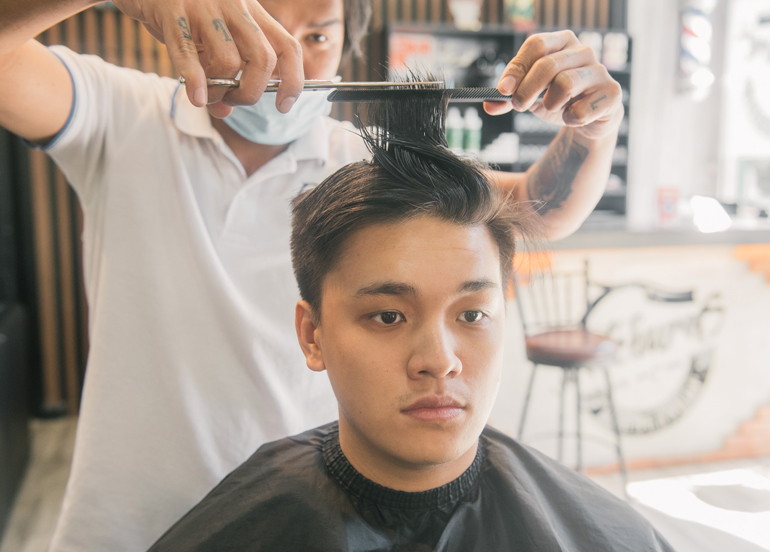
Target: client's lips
(434, 408)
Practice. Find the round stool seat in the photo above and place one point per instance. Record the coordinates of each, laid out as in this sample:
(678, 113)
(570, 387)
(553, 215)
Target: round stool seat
(569, 347)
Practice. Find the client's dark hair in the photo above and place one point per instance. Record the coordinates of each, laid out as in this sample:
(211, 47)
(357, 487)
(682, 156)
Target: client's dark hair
(412, 173)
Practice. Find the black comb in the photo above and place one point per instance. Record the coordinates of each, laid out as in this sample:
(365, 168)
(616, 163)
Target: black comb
(463, 95)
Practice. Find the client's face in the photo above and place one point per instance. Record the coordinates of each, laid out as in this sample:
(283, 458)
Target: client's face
(411, 335)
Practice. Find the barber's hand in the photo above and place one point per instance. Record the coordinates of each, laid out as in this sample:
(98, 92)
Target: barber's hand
(581, 93)
(218, 38)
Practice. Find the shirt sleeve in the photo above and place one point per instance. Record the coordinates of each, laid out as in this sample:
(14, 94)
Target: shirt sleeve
(108, 103)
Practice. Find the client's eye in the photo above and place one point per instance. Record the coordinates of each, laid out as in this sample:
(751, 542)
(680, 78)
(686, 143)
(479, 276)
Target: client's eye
(472, 316)
(388, 318)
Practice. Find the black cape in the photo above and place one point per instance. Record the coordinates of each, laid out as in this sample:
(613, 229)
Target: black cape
(301, 494)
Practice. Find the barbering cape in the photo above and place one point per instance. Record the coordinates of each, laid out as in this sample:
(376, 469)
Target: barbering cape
(301, 494)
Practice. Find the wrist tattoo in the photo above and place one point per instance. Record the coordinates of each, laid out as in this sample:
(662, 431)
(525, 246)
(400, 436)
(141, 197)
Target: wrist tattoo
(182, 22)
(219, 25)
(550, 180)
(596, 102)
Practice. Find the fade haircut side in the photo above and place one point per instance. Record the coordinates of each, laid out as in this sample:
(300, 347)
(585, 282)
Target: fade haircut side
(411, 173)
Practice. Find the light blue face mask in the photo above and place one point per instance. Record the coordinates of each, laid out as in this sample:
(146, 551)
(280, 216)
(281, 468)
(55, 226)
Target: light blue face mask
(262, 123)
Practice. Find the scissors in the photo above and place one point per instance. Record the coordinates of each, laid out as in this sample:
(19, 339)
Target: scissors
(315, 84)
(373, 91)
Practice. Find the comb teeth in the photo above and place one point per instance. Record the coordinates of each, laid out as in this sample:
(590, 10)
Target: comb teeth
(477, 95)
(464, 95)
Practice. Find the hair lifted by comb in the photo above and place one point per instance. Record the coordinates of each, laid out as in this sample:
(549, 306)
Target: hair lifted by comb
(411, 173)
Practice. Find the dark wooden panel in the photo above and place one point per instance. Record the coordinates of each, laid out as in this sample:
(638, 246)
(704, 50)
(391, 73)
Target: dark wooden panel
(590, 20)
(604, 14)
(549, 13)
(14, 425)
(68, 293)
(576, 19)
(128, 42)
(146, 50)
(563, 18)
(42, 217)
(110, 36)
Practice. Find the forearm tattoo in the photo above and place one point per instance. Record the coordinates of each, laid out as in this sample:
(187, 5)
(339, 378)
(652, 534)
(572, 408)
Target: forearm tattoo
(219, 25)
(549, 183)
(185, 28)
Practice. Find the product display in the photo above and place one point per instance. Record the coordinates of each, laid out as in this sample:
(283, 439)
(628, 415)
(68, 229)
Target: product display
(472, 134)
(455, 128)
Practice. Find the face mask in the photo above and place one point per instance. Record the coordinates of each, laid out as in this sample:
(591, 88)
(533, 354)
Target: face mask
(262, 123)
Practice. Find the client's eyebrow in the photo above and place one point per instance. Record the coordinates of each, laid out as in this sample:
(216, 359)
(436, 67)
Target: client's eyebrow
(400, 289)
(474, 286)
(386, 288)
(328, 23)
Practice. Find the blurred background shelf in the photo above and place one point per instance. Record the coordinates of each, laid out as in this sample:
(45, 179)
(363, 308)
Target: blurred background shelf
(467, 58)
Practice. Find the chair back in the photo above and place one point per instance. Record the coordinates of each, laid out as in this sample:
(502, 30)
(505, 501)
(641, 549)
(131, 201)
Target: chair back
(549, 299)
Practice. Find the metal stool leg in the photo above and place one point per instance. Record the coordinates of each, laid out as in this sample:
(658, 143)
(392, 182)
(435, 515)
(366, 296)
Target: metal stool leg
(616, 429)
(526, 400)
(564, 379)
(576, 375)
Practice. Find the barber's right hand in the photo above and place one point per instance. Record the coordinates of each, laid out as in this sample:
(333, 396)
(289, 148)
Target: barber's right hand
(218, 38)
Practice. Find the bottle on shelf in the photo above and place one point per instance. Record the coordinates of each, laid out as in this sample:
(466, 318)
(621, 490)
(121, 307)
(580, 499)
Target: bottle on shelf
(455, 129)
(472, 134)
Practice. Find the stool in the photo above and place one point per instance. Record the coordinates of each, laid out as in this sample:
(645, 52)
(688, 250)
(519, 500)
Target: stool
(553, 309)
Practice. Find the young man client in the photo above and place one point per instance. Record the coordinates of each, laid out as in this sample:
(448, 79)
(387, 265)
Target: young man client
(402, 263)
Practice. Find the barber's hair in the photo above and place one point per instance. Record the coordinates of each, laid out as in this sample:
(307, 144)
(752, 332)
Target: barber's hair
(357, 16)
(411, 173)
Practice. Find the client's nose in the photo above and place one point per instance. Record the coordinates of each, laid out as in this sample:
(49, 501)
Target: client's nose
(434, 353)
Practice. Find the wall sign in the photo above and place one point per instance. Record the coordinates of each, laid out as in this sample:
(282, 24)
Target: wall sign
(664, 358)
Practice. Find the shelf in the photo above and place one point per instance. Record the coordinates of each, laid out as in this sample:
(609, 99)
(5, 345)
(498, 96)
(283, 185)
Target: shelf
(445, 29)
(508, 41)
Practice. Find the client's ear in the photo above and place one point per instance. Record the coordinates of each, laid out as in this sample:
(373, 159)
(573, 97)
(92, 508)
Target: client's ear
(306, 335)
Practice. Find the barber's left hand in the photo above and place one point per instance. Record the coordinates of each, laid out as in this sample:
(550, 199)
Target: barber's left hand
(581, 93)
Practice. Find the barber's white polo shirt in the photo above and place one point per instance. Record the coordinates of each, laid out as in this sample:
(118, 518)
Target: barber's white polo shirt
(194, 362)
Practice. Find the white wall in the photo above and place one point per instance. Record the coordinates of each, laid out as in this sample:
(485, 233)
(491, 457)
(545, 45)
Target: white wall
(674, 138)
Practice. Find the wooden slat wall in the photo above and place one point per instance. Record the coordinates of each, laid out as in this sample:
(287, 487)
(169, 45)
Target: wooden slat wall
(122, 41)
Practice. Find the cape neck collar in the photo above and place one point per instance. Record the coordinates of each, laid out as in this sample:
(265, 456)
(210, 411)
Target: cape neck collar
(358, 485)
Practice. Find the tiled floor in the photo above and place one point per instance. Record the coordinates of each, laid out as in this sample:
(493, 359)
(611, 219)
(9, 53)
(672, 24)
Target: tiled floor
(39, 500)
(37, 506)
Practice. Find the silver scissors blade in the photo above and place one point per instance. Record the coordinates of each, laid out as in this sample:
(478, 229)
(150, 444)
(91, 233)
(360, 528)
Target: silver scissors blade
(272, 85)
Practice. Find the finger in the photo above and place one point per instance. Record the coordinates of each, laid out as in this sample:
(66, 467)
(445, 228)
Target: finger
(572, 83)
(223, 61)
(497, 108)
(219, 110)
(592, 106)
(288, 52)
(258, 57)
(178, 37)
(534, 48)
(546, 69)
(156, 33)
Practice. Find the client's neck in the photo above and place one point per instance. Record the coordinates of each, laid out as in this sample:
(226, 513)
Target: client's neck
(395, 473)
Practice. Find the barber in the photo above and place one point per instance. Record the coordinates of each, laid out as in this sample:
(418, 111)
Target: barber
(193, 361)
